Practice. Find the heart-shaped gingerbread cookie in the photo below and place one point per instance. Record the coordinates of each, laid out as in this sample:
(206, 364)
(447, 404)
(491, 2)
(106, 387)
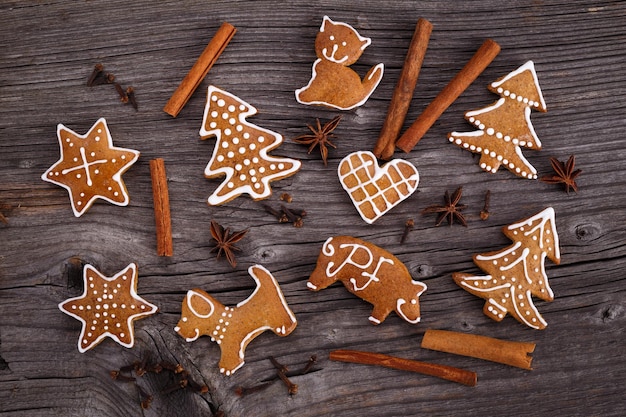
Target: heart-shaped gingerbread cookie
(375, 190)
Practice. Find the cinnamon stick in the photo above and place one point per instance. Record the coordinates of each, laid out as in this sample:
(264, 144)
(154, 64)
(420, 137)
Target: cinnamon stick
(403, 93)
(440, 371)
(162, 216)
(200, 69)
(475, 66)
(482, 347)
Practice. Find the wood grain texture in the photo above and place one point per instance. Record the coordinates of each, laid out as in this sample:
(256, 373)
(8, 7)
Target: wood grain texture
(47, 51)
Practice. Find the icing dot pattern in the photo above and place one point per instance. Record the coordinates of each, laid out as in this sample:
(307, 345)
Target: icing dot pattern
(505, 127)
(90, 167)
(241, 150)
(108, 307)
(517, 273)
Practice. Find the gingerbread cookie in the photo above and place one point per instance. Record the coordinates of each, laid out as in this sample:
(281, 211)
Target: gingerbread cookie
(232, 328)
(371, 273)
(505, 126)
(108, 307)
(333, 83)
(90, 167)
(241, 150)
(375, 190)
(517, 272)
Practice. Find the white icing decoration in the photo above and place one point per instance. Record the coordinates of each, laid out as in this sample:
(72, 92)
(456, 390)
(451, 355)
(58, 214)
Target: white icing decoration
(86, 165)
(213, 169)
(88, 273)
(215, 325)
(330, 57)
(368, 159)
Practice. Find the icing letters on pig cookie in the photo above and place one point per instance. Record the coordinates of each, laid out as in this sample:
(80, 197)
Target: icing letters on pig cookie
(333, 83)
(241, 150)
(375, 190)
(370, 273)
(232, 328)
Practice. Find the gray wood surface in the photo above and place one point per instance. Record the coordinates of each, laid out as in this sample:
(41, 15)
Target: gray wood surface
(47, 50)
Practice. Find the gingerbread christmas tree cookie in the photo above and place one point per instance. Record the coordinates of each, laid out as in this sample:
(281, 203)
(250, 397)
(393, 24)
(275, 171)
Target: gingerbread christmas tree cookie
(505, 126)
(241, 150)
(108, 307)
(90, 167)
(517, 273)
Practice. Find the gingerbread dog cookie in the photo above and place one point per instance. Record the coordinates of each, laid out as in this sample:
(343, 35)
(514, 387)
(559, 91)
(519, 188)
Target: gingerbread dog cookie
(90, 167)
(517, 272)
(333, 83)
(232, 328)
(241, 150)
(108, 307)
(375, 190)
(505, 126)
(371, 273)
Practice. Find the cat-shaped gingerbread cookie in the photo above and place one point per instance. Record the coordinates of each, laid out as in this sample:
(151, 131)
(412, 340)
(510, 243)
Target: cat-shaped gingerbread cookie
(333, 83)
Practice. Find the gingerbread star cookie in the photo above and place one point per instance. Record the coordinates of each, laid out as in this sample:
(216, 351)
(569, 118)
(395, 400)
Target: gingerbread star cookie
(90, 167)
(375, 190)
(505, 126)
(241, 150)
(108, 307)
(517, 273)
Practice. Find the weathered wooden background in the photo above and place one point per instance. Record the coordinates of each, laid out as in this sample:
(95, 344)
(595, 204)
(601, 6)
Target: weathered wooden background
(47, 50)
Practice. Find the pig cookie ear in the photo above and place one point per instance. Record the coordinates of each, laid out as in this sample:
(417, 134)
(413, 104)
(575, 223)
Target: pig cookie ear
(199, 304)
(412, 320)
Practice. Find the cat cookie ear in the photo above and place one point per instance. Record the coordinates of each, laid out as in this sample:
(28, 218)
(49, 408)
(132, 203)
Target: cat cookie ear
(326, 19)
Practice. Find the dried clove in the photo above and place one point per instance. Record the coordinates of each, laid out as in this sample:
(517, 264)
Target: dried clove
(484, 213)
(121, 92)
(286, 197)
(291, 387)
(97, 72)
(408, 226)
(130, 93)
(118, 376)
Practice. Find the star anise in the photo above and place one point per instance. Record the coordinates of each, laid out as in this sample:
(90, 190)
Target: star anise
(450, 210)
(320, 137)
(565, 173)
(225, 241)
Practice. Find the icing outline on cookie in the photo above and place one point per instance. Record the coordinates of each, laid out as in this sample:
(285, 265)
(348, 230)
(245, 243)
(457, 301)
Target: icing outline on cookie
(483, 141)
(517, 272)
(105, 309)
(218, 164)
(89, 158)
(368, 159)
(331, 58)
(253, 315)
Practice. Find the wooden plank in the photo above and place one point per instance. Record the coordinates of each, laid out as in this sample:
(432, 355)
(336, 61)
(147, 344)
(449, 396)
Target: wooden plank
(48, 51)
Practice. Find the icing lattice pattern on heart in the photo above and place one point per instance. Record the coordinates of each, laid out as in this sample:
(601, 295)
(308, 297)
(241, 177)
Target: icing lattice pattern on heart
(375, 190)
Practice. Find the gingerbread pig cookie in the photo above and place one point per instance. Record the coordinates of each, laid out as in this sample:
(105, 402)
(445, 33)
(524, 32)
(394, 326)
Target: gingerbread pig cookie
(371, 273)
(108, 307)
(505, 126)
(90, 167)
(375, 190)
(333, 83)
(241, 150)
(233, 328)
(517, 273)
